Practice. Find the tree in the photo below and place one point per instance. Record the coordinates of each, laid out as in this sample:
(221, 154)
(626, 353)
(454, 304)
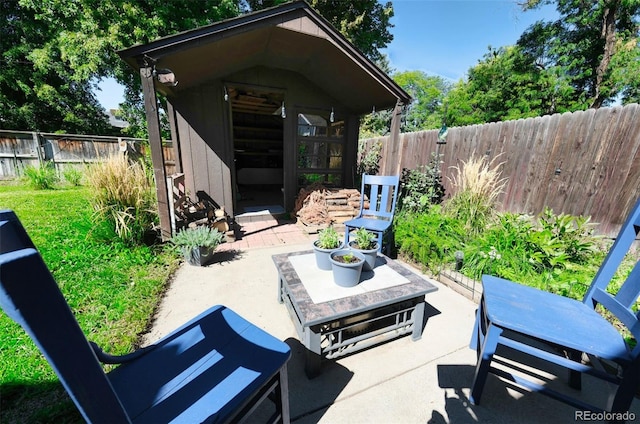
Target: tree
(39, 92)
(594, 43)
(60, 49)
(426, 109)
(507, 85)
(589, 57)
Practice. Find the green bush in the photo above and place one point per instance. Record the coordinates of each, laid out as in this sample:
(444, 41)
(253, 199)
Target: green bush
(557, 253)
(43, 177)
(420, 188)
(368, 161)
(560, 254)
(502, 249)
(429, 238)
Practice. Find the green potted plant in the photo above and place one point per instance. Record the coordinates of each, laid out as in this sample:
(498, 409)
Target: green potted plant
(364, 241)
(328, 241)
(347, 267)
(198, 243)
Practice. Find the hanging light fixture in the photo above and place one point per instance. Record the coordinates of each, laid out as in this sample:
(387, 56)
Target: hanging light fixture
(226, 94)
(165, 76)
(283, 112)
(332, 116)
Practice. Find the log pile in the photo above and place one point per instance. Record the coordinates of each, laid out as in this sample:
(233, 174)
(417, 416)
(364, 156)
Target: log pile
(318, 207)
(187, 213)
(193, 214)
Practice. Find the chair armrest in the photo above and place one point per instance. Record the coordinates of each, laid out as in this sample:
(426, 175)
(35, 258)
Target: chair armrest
(105, 358)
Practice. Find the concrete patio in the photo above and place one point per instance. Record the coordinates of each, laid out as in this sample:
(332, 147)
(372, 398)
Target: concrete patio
(426, 381)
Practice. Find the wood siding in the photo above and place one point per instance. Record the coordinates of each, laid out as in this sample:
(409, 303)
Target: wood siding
(206, 157)
(581, 163)
(203, 127)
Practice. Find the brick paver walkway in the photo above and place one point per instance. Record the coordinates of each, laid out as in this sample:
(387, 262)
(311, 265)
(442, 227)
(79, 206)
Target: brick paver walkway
(268, 232)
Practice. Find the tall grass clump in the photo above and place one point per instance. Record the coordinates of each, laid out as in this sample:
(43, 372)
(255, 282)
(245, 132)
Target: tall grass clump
(123, 195)
(477, 184)
(43, 177)
(73, 176)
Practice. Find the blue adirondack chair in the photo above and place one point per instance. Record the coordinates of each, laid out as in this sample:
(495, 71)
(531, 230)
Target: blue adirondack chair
(218, 367)
(560, 330)
(378, 216)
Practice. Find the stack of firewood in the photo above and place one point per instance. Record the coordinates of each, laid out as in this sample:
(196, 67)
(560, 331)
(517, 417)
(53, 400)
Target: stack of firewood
(193, 214)
(318, 207)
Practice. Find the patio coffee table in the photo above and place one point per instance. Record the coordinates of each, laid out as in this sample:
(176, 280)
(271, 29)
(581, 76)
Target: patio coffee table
(333, 321)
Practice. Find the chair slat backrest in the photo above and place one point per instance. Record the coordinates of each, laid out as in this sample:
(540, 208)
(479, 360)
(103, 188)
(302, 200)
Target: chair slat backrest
(383, 194)
(14, 237)
(622, 302)
(30, 296)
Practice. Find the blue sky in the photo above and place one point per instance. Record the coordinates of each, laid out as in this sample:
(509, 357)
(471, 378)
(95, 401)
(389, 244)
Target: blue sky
(447, 37)
(439, 37)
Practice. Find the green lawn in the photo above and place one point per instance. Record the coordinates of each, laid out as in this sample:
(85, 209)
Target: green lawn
(112, 288)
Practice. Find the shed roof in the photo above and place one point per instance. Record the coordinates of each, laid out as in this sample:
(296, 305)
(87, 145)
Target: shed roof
(291, 36)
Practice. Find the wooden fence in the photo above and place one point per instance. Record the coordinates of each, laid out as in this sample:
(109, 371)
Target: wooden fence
(19, 149)
(581, 163)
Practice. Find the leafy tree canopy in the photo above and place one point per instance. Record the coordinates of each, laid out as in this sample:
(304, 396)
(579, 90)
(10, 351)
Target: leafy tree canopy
(505, 85)
(38, 92)
(589, 57)
(427, 91)
(593, 43)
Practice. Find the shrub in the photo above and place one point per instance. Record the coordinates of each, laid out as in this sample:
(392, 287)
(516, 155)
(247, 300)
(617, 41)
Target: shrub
(42, 177)
(575, 235)
(73, 176)
(420, 188)
(368, 161)
(429, 238)
(123, 195)
(502, 249)
(201, 236)
(560, 254)
(477, 186)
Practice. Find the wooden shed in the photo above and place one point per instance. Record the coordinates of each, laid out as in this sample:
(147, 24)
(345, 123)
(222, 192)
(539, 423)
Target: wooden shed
(260, 106)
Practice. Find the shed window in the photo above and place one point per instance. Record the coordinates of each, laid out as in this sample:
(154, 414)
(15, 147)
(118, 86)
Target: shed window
(320, 147)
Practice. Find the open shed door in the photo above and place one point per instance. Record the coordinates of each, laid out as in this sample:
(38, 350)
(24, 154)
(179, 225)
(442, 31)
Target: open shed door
(258, 145)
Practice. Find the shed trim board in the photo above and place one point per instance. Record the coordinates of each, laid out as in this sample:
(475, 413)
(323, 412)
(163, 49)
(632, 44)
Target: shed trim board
(287, 54)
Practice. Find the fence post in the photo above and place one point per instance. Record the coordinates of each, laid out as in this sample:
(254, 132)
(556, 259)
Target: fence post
(36, 142)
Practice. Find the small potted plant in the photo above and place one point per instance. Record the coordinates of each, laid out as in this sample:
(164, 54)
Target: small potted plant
(365, 242)
(198, 243)
(328, 241)
(347, 267)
